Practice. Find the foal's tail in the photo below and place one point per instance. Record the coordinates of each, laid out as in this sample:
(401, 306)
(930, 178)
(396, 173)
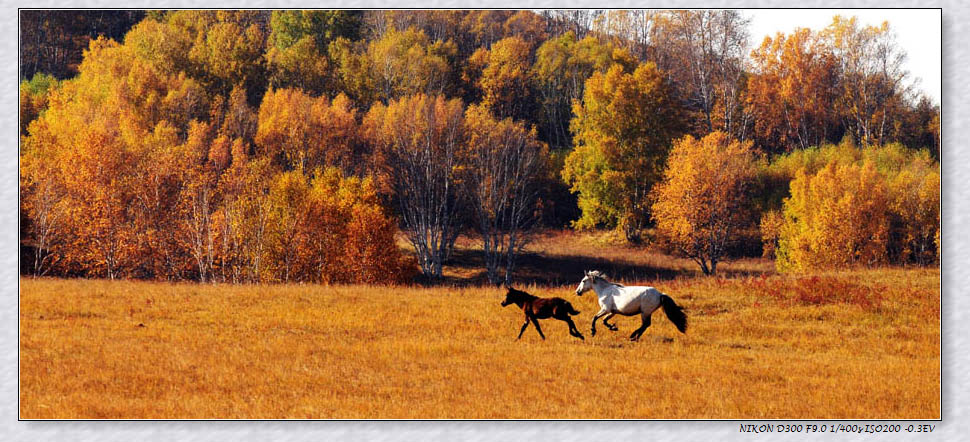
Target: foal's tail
(674, 313)
(571, 310)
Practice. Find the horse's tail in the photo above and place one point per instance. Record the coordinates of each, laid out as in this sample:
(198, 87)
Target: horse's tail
(570, 309)
(674, 313)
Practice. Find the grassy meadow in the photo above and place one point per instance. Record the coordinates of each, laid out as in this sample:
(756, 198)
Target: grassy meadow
(862, 344)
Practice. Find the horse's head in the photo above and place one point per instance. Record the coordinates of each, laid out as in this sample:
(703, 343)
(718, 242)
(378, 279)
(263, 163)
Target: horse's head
(588, 280)
(586, 283)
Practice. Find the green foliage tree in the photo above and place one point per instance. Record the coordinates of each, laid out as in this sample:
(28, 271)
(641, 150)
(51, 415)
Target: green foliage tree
(226, 145)
(623, 129)
(292, 26)
(297, 49)
(34, 95)
(561, 69)
(400, 63)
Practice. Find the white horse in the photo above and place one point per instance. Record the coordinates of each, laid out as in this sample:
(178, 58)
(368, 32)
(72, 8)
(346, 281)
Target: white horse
(617, 299)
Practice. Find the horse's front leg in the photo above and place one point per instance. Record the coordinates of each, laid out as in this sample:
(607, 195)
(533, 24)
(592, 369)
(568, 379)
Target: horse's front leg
(535, 322)
(612, 327)
(524, 326)
(592, 331)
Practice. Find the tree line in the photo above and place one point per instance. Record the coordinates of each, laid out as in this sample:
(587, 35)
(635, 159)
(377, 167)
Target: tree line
(254, 146)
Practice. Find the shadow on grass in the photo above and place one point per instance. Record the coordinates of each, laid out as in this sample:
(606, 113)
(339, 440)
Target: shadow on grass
(534, 268)
(466, 267)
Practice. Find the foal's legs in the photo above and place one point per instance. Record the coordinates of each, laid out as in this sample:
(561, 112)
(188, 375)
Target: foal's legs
(538, 329)
(524, 326)
(645, 317)
(572, 327)
(612, 327)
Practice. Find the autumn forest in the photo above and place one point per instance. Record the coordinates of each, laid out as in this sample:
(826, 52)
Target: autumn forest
(358, 146)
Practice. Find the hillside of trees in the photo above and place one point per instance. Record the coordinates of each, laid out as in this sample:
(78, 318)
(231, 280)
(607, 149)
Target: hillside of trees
(282, 146)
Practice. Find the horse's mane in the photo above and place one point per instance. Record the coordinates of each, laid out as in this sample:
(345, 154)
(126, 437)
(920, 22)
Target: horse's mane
(598, 274)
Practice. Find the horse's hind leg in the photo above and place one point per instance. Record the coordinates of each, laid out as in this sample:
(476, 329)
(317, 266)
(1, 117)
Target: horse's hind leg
(645, 317)
(572, 328)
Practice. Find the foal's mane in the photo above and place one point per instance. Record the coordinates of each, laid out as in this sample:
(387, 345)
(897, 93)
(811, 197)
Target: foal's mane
(596, 274)
(522, 294)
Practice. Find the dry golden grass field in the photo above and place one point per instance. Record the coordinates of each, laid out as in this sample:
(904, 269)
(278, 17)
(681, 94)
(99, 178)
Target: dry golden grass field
(844, 345)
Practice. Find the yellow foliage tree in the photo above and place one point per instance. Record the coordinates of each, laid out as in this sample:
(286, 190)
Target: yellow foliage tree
(915, 205)
(136, 168)
(700, 204)
(505, 82)
(562, 66)
(397, 64)
(302, 132)
(301, 65)
(837, 218)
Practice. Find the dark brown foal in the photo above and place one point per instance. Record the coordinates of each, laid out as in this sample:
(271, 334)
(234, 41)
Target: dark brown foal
(536, 308)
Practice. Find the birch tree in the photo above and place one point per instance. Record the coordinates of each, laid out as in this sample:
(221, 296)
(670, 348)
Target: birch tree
(504, 166)
(416, 139)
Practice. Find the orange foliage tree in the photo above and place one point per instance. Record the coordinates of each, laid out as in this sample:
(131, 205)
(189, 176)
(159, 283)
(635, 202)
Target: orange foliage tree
(137, 170)
(229, 145)
(701, 202)
(791, 92)
(331, 229)
(109, 135)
